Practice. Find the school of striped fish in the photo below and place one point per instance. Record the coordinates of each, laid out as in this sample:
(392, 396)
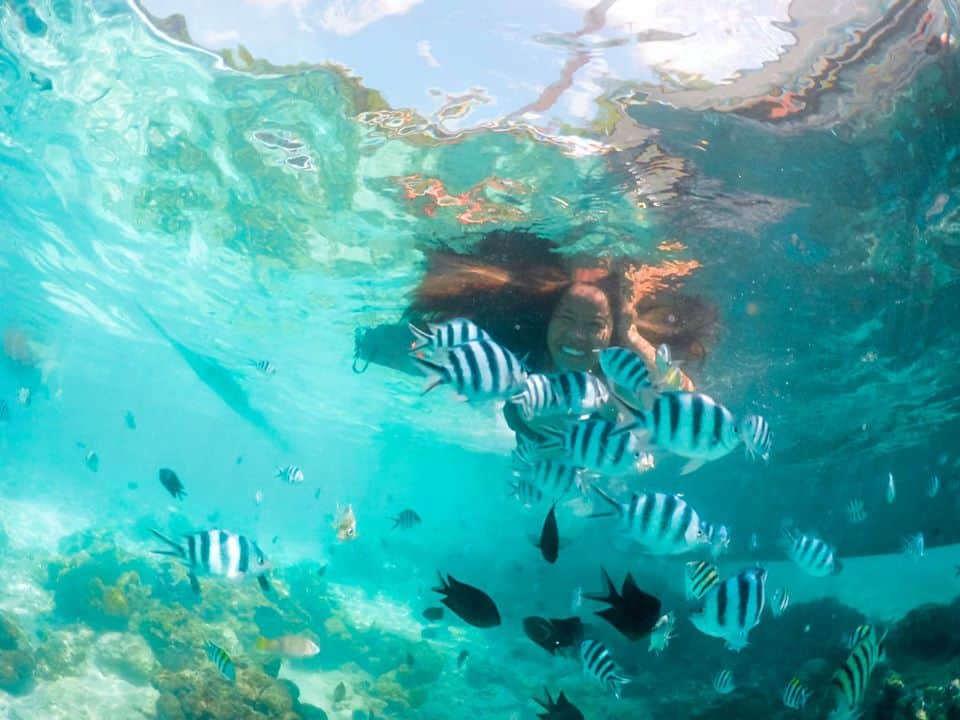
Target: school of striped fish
(615, 426)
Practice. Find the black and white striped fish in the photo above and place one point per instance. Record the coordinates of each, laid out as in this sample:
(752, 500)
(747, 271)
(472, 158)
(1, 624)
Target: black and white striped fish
(856, 514)
(700, 576)
(553, 477)
(795, 695)
(811, 554)
(561, 394)
(779, 601)
(692, 425)
(221, 553)
(477, 370)
(663, 524)
(627, 373)
(264, 366)
(723, 682)
(598, 445)
(850, 639)
(290, 474)
(406, 519)
(733, 607)
(449, 334)
(526, 491)
(850, 681)
(757, 438)
(219, 657)
(598, 664)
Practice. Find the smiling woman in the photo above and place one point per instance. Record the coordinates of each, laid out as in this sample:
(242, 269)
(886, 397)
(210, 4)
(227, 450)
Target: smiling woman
(557, 311)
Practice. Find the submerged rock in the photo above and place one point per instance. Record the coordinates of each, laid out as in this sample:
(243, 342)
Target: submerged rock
(17, 660)
(126, 655)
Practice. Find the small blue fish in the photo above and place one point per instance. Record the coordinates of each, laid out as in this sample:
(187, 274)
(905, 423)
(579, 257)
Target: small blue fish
(933, 486)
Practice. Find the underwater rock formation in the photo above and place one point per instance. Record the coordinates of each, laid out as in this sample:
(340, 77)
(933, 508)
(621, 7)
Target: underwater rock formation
(17, 659)
(63, 652)
(125, 655)
(201, 693)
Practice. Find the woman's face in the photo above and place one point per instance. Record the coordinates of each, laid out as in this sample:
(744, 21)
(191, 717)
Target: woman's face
(581, 326)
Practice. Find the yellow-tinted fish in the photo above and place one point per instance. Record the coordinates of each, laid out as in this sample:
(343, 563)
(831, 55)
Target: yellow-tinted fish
(291, 646)
(346, 523)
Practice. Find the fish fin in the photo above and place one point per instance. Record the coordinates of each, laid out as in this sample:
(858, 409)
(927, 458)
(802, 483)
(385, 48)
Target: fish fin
(617, 682)
(612, 596)
(264, 583)
(194, 583)
(178, 549)
(692, 465)
(262, 643)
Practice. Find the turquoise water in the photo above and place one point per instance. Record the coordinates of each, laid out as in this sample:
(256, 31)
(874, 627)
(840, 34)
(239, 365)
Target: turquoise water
(157, 239)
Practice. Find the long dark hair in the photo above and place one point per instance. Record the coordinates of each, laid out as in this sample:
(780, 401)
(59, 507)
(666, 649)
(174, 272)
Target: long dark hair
(511, 280)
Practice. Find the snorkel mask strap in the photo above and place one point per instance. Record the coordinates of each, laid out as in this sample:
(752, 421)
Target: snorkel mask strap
(360, 364)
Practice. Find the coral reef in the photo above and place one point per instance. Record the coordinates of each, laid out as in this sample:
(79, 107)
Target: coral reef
(17, 659)
(125, 655)
(202, 694)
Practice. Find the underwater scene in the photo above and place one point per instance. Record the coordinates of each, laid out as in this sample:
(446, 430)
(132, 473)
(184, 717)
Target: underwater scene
(393, 359)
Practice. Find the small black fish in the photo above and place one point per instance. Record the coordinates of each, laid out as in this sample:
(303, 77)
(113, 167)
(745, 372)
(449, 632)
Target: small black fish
(169, 479)
(409, 659)
(239, 460)
(322, 571)
(632, 611)
(471, 604)
(340, 692)
(406, 520)
(433, 614)
(462, 658)
(4, 411)
(429, 633)
(550, 537)
(559, 709)
(133, 485)
(130, 420)
(554, 634)
(317, 493)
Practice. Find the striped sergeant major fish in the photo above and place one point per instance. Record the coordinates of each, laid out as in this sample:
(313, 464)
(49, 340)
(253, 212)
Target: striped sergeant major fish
(446, 335)
(290, 474)
(599, 446)
(700, 576)
(850, 681)
(850, 639)
(220, 553)
(811, 554)
(779, 602)
(795, 695)
(732, 608)
(627, 374)
(219, 657)
(551, 477)
(598, 664)
(663, 524)
(689, 424)
(264, 366)
(757, 438)
(477, 370)
(723, 682)
(566, 393)
(669, 376)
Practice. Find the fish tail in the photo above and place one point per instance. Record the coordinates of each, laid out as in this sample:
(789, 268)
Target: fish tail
(613, 503)
(396, 522)
(617, 682)
(177, 550)
(610, 589)
(421, 335)
(436, 372)
(444, 585)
